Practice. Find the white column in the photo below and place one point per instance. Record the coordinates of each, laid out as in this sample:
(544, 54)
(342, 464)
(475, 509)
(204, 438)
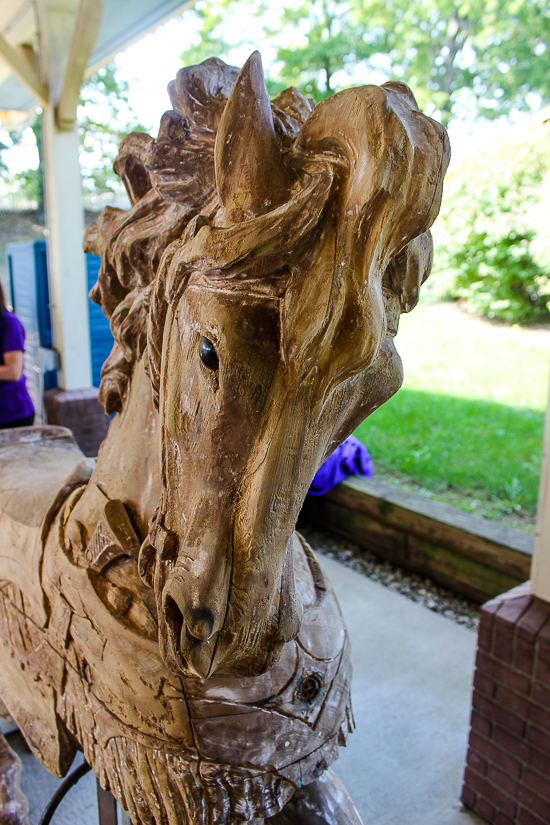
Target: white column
(540, 571)
(66, 262)
(58, 24)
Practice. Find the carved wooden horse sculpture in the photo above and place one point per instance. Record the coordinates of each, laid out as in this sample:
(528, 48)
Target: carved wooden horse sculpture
(162, 615)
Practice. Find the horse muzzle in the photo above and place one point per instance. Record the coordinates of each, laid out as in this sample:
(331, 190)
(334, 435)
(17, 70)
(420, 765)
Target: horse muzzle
(241, 636)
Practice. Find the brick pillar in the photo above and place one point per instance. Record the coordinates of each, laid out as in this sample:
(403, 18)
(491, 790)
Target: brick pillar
(81, 412)
(507, 775)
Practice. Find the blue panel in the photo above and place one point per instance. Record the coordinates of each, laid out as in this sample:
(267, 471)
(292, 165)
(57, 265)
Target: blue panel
(11, 282)
(28, 268)
(31, 303)
(43, 295)
(23, 285)
(101, 338)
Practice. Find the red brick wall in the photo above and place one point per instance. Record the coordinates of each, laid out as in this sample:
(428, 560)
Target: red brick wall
(81, 412)
(507, 775)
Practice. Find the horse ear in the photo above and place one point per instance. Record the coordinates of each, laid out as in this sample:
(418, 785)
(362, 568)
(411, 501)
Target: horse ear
(251, 175)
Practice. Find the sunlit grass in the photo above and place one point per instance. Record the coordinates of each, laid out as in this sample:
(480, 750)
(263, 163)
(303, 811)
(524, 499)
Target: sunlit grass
(470, 415)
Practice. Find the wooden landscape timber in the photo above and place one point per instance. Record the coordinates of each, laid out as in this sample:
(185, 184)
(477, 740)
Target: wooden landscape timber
(470, 555)
(158, 610)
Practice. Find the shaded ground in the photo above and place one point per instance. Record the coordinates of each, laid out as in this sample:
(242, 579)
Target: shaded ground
(411, 698)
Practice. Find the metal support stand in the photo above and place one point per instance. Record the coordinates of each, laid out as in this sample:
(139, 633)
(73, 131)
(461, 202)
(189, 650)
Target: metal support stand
(62, 792)
(106, 806)
(110, 813)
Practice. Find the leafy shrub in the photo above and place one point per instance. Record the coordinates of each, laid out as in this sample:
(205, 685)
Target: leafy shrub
(500, 279)
(492, 241)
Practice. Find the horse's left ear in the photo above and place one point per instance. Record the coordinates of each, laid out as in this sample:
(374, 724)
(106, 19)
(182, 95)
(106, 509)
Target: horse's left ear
(251, 175)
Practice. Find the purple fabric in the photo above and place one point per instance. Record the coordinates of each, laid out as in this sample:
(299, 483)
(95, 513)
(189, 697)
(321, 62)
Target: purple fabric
(15, 401)
(351, 458)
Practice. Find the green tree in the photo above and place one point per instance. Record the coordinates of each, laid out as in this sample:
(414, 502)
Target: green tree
(465, 56)
(3, 168)
(303, 46)
(218, 33)
(316, 41)
(31, 181)
(105, 116)
(459, 57)
(28, 182)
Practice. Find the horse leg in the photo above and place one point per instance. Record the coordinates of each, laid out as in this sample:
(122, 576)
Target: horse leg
(14, 807)
(324, 802)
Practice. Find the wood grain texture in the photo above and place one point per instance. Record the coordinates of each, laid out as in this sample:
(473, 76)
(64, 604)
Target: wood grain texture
(169, 622)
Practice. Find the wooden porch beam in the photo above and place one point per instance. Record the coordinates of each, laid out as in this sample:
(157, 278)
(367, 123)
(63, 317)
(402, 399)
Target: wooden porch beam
(24, 72)
(84, 38)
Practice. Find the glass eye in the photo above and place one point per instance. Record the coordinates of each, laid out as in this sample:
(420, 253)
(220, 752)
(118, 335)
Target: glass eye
(208, 354)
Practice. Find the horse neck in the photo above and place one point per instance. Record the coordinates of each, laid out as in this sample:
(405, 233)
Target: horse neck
(127, 467)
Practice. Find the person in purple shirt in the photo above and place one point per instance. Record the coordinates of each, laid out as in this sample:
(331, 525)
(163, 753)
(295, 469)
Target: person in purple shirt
(16, 407)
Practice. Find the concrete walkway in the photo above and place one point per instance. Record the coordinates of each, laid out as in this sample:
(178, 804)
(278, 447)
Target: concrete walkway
(411, 697)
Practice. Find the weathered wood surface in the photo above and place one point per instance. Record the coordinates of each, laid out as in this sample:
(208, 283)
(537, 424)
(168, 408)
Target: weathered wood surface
(168, 621)
(469, 554)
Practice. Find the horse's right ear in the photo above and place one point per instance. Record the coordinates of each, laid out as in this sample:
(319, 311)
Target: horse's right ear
(251, 175)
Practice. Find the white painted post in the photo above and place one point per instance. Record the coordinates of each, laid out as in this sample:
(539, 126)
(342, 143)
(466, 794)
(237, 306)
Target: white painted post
(540, 571)
(68, 281)
(58, 24)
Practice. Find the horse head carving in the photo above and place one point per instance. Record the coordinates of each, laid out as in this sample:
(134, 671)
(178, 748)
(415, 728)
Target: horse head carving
(270, 333)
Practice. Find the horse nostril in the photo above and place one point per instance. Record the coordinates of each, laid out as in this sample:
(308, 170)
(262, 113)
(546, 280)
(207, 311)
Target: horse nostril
(174, 617)
(194, 625)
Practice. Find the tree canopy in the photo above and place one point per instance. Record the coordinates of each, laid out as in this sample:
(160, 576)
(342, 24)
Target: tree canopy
(459, 58)
(465, 56)
(105, 116)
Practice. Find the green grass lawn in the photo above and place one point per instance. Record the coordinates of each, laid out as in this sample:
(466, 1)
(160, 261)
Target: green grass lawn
(467, 424)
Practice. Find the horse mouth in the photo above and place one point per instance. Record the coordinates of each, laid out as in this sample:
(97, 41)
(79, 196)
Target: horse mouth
(183, 651)
(192, 657)
(222, 654)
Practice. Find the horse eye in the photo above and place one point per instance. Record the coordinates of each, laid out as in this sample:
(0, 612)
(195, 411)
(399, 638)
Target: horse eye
(208, 354)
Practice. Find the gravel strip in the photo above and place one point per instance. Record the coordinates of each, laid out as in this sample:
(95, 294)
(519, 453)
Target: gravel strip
(414, 587)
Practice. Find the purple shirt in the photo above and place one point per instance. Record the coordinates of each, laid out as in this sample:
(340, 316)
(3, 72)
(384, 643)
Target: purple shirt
(15, 401)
